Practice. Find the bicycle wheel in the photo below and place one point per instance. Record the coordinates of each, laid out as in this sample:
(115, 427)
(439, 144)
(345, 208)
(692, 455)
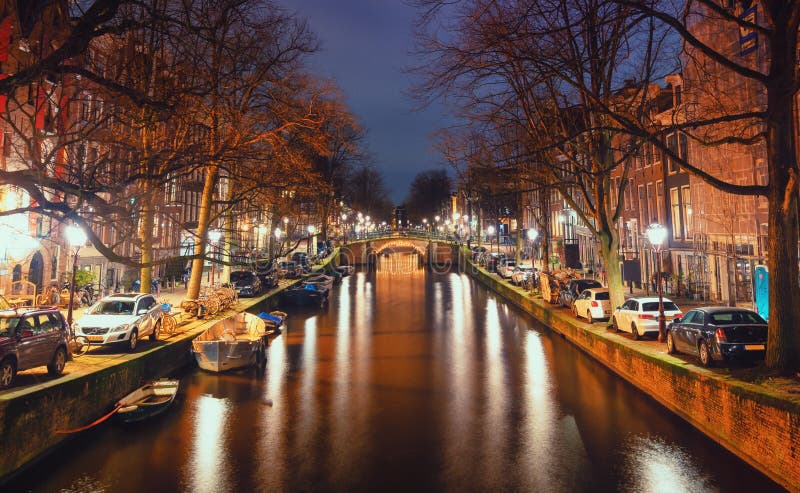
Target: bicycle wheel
(80, 346)
(168, 324)
(212, 305)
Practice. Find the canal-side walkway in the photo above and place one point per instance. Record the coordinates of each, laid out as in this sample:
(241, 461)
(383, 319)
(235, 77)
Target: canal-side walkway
(38, 405)
(759, 421)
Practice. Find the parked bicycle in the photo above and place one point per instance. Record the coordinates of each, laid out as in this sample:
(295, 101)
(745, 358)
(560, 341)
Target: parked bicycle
(168, 321)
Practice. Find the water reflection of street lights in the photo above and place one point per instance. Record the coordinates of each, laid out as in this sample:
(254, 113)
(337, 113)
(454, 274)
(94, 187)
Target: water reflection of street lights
(76, 237)
(490, 234)
(657, 234)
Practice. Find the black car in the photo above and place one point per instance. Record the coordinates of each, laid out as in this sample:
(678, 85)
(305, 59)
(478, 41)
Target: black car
(246, 283)
(492, 261)
(30, 338)
(718, 334)
(574, 288)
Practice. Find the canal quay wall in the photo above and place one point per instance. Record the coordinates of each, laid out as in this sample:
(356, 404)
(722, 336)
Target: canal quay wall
(758, 425)
(30, 416)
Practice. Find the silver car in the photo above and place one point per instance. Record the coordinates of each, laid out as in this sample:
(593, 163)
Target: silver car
(121, 319)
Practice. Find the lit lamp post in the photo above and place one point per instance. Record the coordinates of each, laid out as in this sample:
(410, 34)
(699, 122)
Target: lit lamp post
(532, 235)
(490, 234)
(344, 228)
(309, 246)
(76, 237)
(657, 234)
(213, 237)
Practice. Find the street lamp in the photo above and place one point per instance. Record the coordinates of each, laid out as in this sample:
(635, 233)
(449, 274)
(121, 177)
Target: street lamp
(490, 233)
(657, 234)
(213, 237)
(76, 237)
(532, 235)
(311, 230)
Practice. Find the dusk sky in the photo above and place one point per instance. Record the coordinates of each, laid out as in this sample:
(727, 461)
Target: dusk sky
(365, 45)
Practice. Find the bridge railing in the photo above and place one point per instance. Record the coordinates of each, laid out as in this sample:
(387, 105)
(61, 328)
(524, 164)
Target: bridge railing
(406, 233)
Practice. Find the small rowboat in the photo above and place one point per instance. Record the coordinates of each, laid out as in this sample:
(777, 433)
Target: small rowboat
(234, 342)
(147, 401)
(346, 270)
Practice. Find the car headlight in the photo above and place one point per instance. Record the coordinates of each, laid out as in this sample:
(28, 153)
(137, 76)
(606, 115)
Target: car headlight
(120, 328)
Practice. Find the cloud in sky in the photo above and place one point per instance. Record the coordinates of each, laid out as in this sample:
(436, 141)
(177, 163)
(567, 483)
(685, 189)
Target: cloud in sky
(365, 45)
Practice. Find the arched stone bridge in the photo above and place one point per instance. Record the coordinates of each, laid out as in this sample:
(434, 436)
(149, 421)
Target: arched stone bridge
(431, 249)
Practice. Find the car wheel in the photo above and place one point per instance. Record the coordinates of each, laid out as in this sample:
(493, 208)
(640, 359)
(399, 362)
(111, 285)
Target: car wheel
(705, 354)
(635, 332)
(589, 316)
(614, 325)
(7, 372)
(133, 341)
(156, 331)
(56, 367)
(670, 343)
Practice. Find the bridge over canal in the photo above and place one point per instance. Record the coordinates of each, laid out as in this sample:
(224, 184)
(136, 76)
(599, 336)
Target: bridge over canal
(432, 249)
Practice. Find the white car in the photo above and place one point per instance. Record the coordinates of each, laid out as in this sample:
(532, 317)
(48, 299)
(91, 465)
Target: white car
(639, 316)
(594, 304)
(121, 319)
(521, 274)
(506, 267)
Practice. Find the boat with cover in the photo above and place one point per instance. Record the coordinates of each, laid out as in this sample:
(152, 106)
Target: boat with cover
(147, 401)
(276, 318)
(308, 294)
(234, 342)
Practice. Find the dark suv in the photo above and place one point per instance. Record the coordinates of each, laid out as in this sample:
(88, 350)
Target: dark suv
(246, 283)
(30, 338)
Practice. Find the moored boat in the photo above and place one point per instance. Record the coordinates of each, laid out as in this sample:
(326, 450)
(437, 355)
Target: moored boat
(346, 270)
(275, 317)
(308, 294)
(148, 400)
(320, 280)
(234, 342)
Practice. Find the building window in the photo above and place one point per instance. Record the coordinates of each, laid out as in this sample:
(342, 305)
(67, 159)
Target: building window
(643, 212)
(54, 263)
(660, 202)
(686, 211)
(7, 144)
(651, 205)
(675, 205)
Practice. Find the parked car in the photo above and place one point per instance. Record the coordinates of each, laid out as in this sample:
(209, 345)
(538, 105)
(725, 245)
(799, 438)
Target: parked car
(506, 267)
(522, 273)
(30, 338)
(268, 279)
(246, 283)
(121, 318)
(492, 260)
(718, 334)
(570, 292)
(594, 304)
(301, 259)
(476, 252)
(289, 269)
(639, 316)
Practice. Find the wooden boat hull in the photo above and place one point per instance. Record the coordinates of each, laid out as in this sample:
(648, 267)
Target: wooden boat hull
(147, 401)
(231, 343)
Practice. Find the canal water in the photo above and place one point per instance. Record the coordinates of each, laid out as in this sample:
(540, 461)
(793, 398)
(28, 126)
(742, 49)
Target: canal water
(406, 381)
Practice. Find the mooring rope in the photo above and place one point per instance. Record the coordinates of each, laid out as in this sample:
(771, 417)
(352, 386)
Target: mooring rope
(94, 423)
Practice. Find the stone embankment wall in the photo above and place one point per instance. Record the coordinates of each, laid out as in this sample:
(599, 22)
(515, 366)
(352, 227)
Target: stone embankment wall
(757, 425)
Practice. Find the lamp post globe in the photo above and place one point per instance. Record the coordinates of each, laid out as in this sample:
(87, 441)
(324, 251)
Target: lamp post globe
(76, 237)
(657, 235)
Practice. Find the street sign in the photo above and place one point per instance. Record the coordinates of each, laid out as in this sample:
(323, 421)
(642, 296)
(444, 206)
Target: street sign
(761, 290)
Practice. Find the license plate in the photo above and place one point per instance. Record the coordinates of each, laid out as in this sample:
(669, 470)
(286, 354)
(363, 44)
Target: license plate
(754, 347)
(94, 338)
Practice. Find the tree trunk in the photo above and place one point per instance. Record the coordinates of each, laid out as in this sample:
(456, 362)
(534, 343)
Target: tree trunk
(227, 236)
(784, 292)
(193, 290)
(146, 222)
(520, 240)
(609, 250)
